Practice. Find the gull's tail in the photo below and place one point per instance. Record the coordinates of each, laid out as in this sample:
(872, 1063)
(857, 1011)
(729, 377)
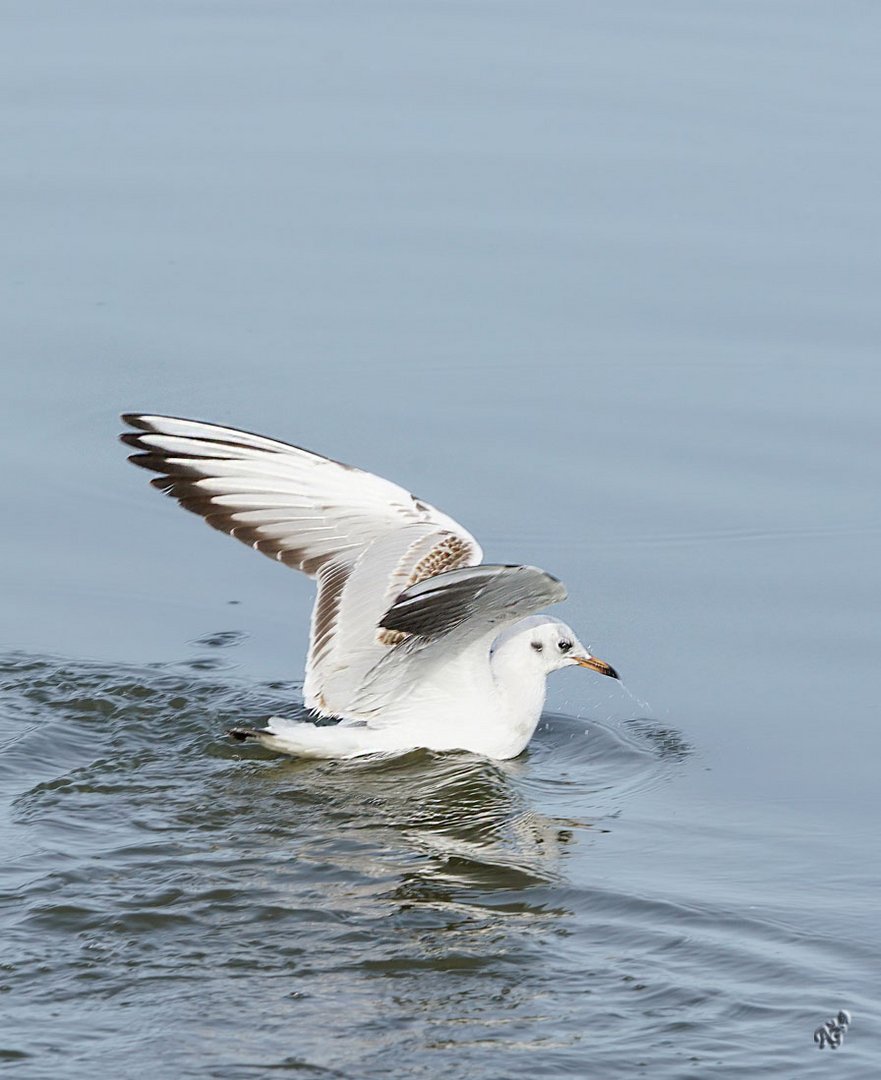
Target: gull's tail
(303, 739)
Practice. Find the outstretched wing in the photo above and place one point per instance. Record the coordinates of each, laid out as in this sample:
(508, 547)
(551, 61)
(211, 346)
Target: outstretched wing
(364, 538)
(449, 619)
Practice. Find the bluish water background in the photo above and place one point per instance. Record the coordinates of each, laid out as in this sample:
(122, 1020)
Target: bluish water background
(601, 281)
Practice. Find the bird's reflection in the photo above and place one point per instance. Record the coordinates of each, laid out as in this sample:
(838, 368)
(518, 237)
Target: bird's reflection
(461, 821)
(446, 829)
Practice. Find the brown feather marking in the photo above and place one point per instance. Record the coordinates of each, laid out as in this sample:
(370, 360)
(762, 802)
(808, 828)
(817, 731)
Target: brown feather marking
(180, 485)
(451, 553)
(327, 605)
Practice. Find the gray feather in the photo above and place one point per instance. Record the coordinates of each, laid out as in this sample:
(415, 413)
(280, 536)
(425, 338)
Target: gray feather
(485, 595)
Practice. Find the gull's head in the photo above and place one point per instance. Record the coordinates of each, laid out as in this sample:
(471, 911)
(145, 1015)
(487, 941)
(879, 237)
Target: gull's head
(547, 645)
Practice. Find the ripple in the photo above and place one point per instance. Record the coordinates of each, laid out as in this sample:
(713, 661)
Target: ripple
(139, 750)
(222, 639)
(156, 872)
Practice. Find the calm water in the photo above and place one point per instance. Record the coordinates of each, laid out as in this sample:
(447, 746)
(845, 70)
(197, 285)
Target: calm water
(601, 281)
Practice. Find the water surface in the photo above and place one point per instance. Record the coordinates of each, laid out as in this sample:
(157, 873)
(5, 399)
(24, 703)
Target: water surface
(600, 281)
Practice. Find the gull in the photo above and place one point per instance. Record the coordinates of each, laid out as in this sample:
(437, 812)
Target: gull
(414, 642)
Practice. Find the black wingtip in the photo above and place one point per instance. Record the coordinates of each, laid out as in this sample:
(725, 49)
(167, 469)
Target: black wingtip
(135, 420)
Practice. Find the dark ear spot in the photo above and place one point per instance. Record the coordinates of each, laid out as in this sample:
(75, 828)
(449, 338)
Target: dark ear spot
(537, 645)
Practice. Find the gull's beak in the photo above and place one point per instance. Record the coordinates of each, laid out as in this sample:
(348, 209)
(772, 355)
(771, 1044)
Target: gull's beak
(596, 665)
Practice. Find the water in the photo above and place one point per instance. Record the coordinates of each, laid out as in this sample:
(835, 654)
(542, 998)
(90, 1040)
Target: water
(600, 281)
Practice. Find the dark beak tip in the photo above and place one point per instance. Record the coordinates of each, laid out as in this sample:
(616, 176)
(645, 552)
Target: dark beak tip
(599, 666)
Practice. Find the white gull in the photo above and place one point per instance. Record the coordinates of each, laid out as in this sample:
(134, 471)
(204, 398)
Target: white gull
(413, 643)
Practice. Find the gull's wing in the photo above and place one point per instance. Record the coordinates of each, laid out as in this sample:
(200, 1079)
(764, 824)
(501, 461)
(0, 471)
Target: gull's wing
(364, 538)
(472, 601)
(448, 617)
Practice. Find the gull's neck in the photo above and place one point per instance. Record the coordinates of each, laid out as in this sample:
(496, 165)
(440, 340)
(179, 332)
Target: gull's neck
(521, 690)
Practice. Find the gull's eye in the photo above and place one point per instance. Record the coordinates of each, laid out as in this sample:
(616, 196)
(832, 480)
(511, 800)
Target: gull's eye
(537, 645)
(564, 646)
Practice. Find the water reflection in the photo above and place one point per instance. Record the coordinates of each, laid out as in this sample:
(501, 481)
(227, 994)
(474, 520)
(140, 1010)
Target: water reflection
(131, 762)
(152, 853)
(466, 818)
